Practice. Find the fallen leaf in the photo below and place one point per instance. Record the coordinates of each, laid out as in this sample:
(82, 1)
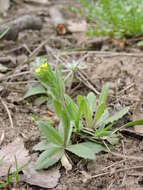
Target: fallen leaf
(9, 152)
(43, 178)
(58, 20)
(65, 163)
(1, 77)
(86, 176)
(4, 6)
(3, 68)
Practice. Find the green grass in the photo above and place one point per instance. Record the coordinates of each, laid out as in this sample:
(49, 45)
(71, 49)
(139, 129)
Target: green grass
(114, 18)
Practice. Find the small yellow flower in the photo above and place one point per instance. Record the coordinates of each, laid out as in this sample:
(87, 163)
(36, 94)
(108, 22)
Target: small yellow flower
(38, 70)
(44, 65)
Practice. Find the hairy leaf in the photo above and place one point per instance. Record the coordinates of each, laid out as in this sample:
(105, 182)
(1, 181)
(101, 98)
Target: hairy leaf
(87, 113)
(129, 124)
(44, 145)
(86, 150)
(92, 101)
(117, 116)
(99, 112)
(49, 157)
(71, 107)
(57, 107)
(103, 95)
(67, 125)
(50, 133)
(34, 90)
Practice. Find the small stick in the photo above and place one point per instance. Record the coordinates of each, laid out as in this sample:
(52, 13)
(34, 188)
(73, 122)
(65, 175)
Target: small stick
(116, 171)
(8, 112)
(16, 75)
(104, 53)
(83, 79)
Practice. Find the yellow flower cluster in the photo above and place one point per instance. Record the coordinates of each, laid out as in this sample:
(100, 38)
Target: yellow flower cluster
(43, 66)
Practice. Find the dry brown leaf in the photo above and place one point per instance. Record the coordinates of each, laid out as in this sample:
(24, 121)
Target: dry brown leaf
(42, 178)
(66, 163)
(4, 6)
(58, 20)
(9, 152)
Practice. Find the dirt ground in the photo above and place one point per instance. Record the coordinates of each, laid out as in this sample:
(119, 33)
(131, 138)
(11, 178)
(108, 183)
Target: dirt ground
(120, 66)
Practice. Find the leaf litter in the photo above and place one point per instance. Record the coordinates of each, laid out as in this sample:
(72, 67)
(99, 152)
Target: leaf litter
(16, 149)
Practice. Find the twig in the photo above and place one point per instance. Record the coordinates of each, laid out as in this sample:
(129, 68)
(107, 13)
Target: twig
(126, 156)
(84, 79)
(19, 82)
(37, 50)
(104, 53)
(116, 171)
(8, 112)
(111, 184)
(16, 74)
(126, 88)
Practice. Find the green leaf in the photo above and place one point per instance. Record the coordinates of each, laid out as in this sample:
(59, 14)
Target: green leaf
(113, 139)
(50, 132)
(92, 101)
(100, 110)
(67, 125)
(34, 90)
(140, 43)
(86, 150)
(78, 124)
(71, 107)
(57, 107)
(79, 99)
(95, 147)
(129, 124)
(60, 89)
(4, 33)
(102, 133)
(82, 151)
(61, 130)
(41, 146)
(41, 100)
(44, 145)
(103, 117)
(103, 95)
(49, 157)
(117, 116)
(87, 113)
(133, 123)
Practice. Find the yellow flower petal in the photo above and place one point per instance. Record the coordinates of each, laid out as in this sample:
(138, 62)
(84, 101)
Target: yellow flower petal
(44, 65)
(37, 70)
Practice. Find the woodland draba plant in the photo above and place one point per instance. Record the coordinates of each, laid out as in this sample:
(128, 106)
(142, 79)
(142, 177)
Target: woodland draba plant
(59, 140)
(87, 118)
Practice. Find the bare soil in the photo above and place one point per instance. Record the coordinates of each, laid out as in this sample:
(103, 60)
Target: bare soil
(121, 67)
